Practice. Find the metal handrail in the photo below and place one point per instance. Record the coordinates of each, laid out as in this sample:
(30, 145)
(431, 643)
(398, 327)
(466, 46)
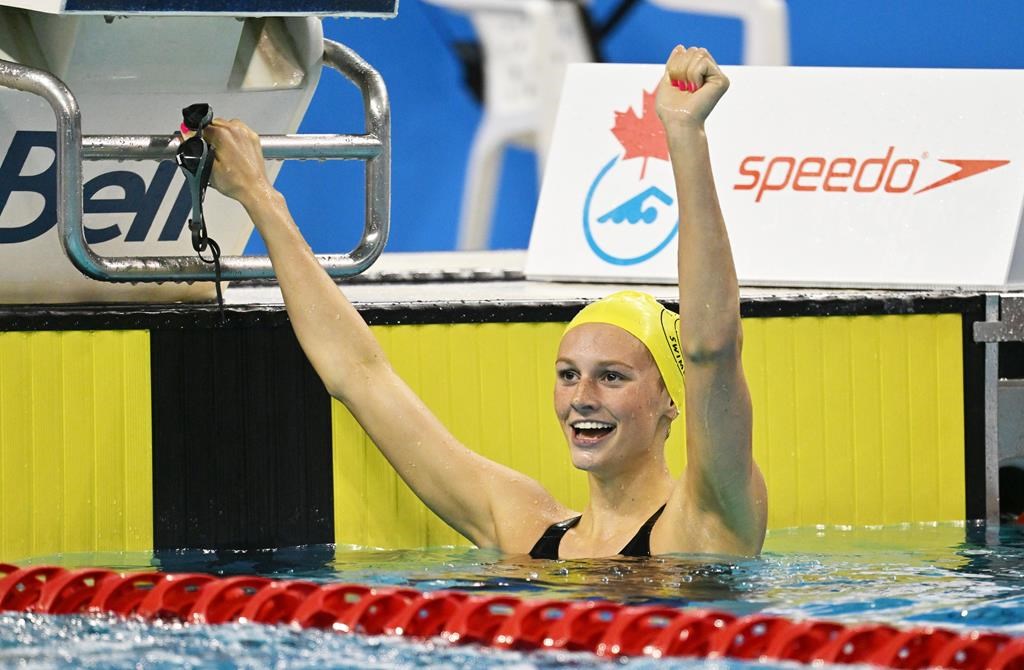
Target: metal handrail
(72, 148)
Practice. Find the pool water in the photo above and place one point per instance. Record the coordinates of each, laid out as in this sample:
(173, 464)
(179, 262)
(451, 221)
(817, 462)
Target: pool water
(961, 576)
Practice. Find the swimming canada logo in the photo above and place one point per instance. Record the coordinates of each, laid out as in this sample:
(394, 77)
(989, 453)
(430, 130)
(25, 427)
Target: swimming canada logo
(631, 231)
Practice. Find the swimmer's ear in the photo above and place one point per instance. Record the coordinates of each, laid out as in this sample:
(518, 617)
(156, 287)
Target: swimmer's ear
(672, 414)
(673, 411)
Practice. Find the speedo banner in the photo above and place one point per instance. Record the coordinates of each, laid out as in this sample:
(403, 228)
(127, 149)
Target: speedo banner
(826, 176)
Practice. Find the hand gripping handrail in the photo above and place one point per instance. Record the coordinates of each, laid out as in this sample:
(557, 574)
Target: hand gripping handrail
(374, 147)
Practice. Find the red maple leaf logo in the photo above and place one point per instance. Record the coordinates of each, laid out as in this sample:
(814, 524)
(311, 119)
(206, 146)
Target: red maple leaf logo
(641, 136)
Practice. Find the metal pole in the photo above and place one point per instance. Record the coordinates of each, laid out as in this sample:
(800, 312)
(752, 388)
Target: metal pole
(275, 147)
(992, 416)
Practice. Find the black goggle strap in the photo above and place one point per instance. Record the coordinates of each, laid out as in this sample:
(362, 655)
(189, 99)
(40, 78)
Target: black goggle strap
(195, 158)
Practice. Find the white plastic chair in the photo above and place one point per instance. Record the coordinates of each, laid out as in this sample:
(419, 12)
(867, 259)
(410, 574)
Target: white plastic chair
(765, 25)
(527, 46)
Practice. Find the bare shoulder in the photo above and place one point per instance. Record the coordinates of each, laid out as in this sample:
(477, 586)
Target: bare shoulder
(689, 525)
(523, 509)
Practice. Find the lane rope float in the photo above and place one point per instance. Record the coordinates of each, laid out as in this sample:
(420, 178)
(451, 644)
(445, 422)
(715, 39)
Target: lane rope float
(603, 628)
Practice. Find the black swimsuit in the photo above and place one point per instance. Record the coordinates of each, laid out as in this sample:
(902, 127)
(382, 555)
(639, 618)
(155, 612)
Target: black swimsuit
(547, 545)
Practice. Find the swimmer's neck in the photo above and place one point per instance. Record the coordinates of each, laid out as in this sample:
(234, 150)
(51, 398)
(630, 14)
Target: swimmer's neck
(625, 499)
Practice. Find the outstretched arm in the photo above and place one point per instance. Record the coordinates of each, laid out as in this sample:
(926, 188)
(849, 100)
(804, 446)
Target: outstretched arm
(469, 492)
(722, 488)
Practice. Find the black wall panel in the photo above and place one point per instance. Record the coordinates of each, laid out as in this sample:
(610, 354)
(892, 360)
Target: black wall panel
(241, 441)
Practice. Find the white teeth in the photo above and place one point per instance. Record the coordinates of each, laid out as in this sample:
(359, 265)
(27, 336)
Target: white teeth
(591, 425)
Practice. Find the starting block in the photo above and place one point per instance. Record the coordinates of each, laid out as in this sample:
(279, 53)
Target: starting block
(90, 91)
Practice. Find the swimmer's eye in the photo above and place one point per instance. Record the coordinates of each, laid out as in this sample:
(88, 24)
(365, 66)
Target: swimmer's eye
(567, 375)
(611, 376)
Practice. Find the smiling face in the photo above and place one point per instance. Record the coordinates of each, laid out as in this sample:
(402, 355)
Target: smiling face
(609, 398)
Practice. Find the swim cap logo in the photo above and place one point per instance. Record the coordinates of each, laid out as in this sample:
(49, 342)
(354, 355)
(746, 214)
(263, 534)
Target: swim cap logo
(670, 329)
(649, 215)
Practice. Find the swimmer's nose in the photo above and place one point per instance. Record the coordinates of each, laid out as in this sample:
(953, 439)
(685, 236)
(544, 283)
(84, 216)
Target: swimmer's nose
(583, 399)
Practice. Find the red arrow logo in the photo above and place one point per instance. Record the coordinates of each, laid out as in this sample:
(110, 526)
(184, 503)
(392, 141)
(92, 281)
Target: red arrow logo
(968, 168)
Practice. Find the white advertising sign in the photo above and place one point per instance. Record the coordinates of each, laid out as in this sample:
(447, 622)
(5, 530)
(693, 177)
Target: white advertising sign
(827, 177)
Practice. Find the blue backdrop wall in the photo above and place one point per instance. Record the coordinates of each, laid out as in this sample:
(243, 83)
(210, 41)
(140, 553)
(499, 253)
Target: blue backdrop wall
(434, 116)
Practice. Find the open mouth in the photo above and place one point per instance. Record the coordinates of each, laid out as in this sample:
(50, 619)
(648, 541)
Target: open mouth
(591, 432)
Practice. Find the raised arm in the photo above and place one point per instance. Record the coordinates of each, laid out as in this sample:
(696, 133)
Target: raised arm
(455, 482)
(722, 489)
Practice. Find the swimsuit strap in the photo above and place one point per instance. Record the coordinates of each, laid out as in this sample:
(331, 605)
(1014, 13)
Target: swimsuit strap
(547, 545)
(640, 545)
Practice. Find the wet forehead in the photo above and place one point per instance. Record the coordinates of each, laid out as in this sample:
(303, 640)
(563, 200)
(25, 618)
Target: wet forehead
(603, 342)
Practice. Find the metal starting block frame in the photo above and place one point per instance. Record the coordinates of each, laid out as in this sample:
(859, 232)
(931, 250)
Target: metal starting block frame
(374, 147)
(1008, 327)
(1004, 324)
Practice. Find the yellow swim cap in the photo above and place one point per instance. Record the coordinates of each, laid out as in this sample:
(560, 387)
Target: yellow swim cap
(643, 317)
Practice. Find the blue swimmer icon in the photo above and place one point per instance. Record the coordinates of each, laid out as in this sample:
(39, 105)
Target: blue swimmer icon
(633, 210)
(645, 241)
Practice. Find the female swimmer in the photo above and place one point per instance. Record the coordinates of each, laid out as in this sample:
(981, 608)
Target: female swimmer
(618, 374)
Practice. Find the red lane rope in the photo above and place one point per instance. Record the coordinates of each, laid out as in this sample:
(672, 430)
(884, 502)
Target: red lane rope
(603, 628)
